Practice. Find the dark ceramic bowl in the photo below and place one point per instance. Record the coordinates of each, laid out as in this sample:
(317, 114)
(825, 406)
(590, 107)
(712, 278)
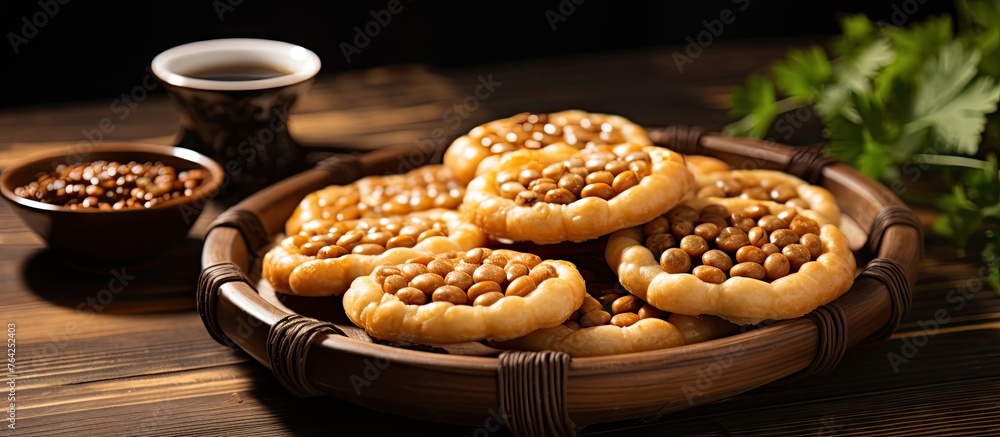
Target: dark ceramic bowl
(110, 237)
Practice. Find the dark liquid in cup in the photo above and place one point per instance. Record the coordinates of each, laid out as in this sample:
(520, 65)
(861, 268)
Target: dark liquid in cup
(238, 72)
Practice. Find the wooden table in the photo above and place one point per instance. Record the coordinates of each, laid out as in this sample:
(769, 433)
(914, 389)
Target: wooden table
(140, 362)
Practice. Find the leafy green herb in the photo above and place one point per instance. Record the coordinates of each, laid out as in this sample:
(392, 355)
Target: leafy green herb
(899, 103)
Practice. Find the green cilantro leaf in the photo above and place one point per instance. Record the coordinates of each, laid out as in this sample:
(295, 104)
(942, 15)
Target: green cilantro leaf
(758, 105)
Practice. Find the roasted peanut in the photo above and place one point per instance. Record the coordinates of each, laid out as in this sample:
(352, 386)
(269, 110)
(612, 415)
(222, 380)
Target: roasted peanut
(694, 245)
(731, 239)
(675, 261)
(712, 275)
(718, 259)
(521, 286)
(411, 296)
(797, 255)
(748, 270)
(776, 265)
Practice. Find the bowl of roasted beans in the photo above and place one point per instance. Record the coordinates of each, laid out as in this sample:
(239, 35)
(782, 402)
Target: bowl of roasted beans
(117, 203)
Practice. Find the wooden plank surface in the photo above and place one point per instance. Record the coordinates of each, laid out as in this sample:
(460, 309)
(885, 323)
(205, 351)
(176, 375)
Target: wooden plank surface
(141, 363)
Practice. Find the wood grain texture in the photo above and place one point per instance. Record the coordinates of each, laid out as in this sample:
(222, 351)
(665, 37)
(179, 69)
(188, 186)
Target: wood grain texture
(142, 364)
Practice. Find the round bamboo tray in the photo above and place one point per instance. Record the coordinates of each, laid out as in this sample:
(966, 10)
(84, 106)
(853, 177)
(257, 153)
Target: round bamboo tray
(548, 393)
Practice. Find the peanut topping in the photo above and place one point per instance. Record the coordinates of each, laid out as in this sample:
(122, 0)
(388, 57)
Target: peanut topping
(365, 236)
(479, 277)
(533, 131)
(714, 245)
(596, 172)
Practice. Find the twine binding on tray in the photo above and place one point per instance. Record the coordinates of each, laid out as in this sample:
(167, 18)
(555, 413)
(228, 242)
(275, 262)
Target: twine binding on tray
(249, 226)
(211, 279)
(288, 343)
(888, 217)
(831, 322)
(807, 164)
(891, 274)
(679, 138)
(341, 169)
(533, 393)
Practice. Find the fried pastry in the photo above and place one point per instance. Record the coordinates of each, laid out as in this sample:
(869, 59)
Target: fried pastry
(593, 193)
(479, 150)
(704, 168)
(769, 185)
(742, 262)
(454, 297)
(324, 261)
(425, 188)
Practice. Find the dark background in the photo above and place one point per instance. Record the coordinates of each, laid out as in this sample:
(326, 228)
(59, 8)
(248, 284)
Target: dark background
(99, 49)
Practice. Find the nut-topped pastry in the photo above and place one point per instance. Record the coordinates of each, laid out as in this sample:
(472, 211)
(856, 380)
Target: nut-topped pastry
(768, 185)
(324, 261)
(613, 321)
(743, 263)
(425, 188)
(593, 193)
(464, 296)
(478, 151)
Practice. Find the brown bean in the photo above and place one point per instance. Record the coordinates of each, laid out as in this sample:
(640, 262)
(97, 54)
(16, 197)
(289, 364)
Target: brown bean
(521, 286)
(802, 225)
(515, 270)
(427, 282)
(411, 296)
(708, 231)
(574, 183)
(757, 236)
(352, 236)
(529, 259)
(755, 193)
(719, 221)
(731, 239)
(412, 270)
(625, 304)
(748, 270)
(477, 255)
(526, 198)
(624, 320)
(401, 241)
(798, 203)
(430, 233)
(487, 299)
(681, 229)
(466, 268)
(497, 260)
(751, 254)
(511, 189)
(659, 225)
(542, 272)
(393, 283)
(596, 164)
(450, 293)
(797, 255)
(560, 196)
(382, 272)
(813, 243)
(776, 265)
(769, 248)
(675, 261)
(683, 213)
(718, 259)
(489, 272)
(311, 248)
(600, 189)
(711, 191)
(624, 180)
(459, 279)
(787, 215)
(660, 242)
(368, 249)
(554, 171)
(607, 300)
(709, 274)
(481, 288)
(331, 252)
(637, 156)
(650, 312)
(694, 245)
(771, 223)
(782, 193)
(600, 177)
(527, 175)
(595, 318)
(440, 266)
(755, 211)
(784, 237)
(616, 167)
(579, 171)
